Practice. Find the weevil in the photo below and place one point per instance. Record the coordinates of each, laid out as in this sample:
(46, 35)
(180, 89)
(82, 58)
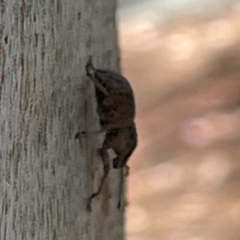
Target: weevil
(116, 110)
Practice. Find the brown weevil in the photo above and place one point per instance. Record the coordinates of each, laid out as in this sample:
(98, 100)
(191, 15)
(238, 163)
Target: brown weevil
(116, 110)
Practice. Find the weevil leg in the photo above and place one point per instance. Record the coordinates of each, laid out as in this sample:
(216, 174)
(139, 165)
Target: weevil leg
(106, 168)
(84, 133)
(124, 173)
(89, 66)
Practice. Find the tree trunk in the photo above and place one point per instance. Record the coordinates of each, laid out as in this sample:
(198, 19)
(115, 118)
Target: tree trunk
(46, 175)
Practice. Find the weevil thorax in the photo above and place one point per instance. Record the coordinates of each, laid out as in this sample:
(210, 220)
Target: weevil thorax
(124, 144)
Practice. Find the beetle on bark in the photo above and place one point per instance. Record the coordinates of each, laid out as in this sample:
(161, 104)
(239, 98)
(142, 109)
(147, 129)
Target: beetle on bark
(116, 110)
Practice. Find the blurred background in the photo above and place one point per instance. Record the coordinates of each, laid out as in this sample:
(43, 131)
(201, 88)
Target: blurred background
(182, 58)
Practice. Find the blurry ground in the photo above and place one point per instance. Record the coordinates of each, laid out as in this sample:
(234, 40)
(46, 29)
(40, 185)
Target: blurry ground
(184, 181)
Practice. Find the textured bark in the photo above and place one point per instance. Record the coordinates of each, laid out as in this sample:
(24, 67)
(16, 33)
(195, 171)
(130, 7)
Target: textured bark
(46, 174)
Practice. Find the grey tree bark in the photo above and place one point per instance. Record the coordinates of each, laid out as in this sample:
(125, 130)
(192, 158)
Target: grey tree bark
(46, 174)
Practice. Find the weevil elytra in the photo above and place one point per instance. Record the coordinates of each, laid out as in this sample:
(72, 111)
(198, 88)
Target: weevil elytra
(116, 110)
